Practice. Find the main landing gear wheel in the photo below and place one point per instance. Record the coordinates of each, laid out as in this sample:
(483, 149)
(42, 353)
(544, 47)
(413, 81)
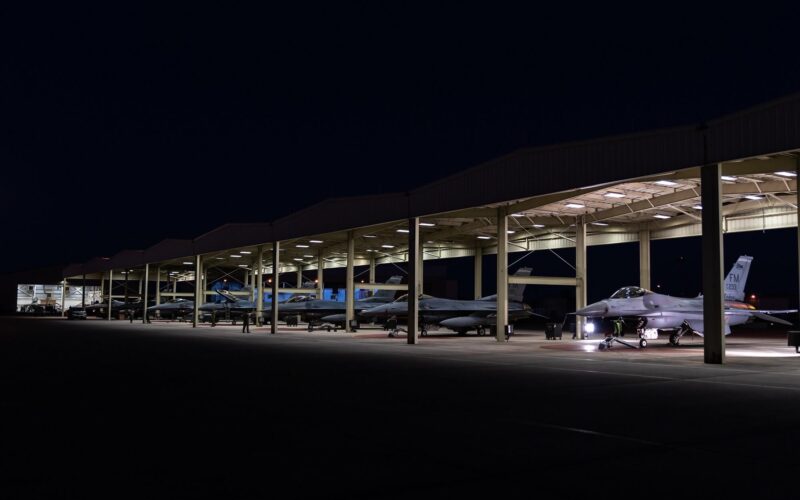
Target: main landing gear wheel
(481, 331)
(603, 346)
(423, 332)
(642, 343)
(673, 339)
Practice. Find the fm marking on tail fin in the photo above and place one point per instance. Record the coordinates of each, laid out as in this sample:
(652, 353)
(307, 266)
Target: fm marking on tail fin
(736, 278)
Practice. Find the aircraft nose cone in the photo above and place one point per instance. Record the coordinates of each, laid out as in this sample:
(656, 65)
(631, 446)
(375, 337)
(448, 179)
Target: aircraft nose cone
(596, 309)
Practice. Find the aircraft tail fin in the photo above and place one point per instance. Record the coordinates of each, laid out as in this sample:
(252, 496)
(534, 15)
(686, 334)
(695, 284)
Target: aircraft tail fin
(515, 291)
(389, 294)
(736, 278)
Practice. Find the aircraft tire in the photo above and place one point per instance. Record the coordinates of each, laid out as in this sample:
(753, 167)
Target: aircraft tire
(424, 333)
(602, 346)
(642, 343)
(673, 339)
(481, 331)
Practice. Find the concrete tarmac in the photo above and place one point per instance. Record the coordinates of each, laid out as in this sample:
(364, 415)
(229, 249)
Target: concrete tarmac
(165, 410)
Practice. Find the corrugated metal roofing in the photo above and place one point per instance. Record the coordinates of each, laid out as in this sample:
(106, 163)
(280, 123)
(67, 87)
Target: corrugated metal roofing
(767, 129)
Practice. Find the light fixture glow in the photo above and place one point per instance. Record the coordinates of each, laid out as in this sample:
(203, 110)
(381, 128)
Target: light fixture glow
(754, 197)
(612, 194)
(484, 238)
(188, 263)
(298, 259)
(728, 178)
(662, 216)
(666, 183)
(574, 205)
(315, 241)
(517, 215)
(427, 224)
(588, 327)
(510, 231)
(387, 246)
(698, 207)
(538, 226)
(301, 246)
(600, 223)
(236, 256)
(242, 265)
(308, 256)
(245, 252)
(786, 174)
(402, 230)
(370, 236)
(219, 258)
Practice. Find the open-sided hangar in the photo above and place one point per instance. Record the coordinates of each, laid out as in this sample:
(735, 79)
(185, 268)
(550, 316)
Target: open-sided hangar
(735, 173)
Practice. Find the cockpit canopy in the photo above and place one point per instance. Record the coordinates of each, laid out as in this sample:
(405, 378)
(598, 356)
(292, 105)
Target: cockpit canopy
(300, 298)
(629, 292)
(404, 298)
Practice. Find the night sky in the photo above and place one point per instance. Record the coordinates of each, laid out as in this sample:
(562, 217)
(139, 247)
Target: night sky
(121, 127)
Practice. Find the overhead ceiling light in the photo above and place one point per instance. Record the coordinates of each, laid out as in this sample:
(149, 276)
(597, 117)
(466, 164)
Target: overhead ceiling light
(729, 178)
(370, 236)
(538, 226)
(370, 250)
(298, 259)
(236, 256)
(662, 216)
(574, 205)
(242, 265)
(698, 207)
(219, 258)
(666, 183)
(484, 238)
(308, 256)
(600, 223)
(510, 231)
(387, 246)
(612, 194)
(188, 263)
(245, 252)
(754, 197)
(786, 174)
(315, 241)
(517, 215)
(402, 230)
(427, 224)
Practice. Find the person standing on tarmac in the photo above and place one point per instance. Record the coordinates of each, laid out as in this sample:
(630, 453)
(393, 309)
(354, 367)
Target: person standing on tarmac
(246, 323)
(618, 327)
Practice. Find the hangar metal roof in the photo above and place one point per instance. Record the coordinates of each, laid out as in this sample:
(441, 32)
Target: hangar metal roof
(620, 184)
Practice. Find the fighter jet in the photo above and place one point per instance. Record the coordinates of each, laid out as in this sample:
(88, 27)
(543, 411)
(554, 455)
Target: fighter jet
(315, 310)
(656, 312)
(459, 315)
(116, 306)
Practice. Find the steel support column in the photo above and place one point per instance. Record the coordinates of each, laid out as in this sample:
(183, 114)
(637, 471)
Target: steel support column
(644, 259)
(158, 284)
(413, 280)
(299, 275)
(502, 273)
(372, 269)
(198, 290)
(63, 296)
(260, 286)
(276, 264)
(146, 295)
(83, 292)
(320, 275)
(580, 273)
(478, 272)
(349, 301)
(421, 257)
(110, 292)
(713, 293)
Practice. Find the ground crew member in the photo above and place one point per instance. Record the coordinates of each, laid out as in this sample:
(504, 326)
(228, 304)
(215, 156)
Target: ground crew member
(618, 327)
(213, 318)
(246, 323)
(130, 315)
